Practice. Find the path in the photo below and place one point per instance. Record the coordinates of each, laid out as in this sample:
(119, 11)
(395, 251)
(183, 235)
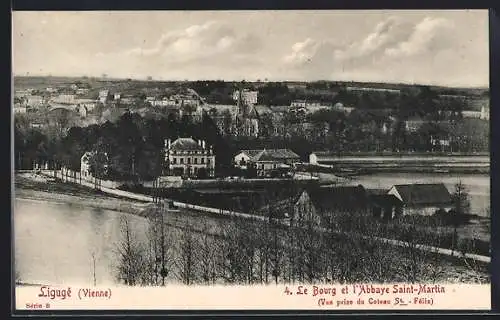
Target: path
(400, 243)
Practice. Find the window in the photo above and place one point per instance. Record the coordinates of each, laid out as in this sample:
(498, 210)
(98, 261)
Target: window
(189, 160)
(202, 160)
(174, 160)
(208, 161)
(182, 160)
(195, 160)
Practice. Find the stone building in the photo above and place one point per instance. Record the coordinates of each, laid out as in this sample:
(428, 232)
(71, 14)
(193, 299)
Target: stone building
(189, 158)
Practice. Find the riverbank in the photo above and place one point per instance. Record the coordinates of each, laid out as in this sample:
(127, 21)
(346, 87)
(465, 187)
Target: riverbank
(35, 187)
(184, 219)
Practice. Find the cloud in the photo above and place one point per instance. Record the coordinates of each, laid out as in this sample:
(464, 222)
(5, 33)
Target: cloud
(426, 35)
(210, 48)
(200, 42)
(393, 38)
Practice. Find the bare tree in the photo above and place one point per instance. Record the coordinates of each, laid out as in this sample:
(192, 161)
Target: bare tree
(461, 207)
(93, 268)
(230, 263)
(130, 256)
(208, 255)
(276, 252)
(187, 259)
(159, 248)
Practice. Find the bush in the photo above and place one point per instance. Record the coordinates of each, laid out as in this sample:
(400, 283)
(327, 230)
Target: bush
(475, 246)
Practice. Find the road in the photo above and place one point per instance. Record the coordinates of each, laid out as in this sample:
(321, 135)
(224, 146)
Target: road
(188, 206)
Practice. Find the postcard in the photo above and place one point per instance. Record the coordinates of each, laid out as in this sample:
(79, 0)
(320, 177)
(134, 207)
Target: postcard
(251, 160)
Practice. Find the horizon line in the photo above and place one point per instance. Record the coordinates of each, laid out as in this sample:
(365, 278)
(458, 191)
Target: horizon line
(153, 79)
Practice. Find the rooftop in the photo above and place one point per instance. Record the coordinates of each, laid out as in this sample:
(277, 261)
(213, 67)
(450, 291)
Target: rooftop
(270, 154)
(185, 144)
(420, 194)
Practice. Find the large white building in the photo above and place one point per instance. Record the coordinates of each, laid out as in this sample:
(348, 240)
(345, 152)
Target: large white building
(189, 158)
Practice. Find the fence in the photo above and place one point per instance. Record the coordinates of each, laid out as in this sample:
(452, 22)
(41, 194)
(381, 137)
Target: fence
(69, 175)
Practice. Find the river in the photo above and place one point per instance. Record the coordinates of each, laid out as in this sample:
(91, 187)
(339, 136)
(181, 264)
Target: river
(54, 243)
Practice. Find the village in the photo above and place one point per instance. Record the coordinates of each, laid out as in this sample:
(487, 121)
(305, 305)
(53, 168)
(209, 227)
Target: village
(183, 149)
(310, 184)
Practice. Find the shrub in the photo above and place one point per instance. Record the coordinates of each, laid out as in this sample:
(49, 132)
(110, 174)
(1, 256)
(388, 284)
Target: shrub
(475, 246)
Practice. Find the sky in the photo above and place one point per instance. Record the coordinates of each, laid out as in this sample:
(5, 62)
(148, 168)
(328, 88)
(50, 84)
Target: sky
(449, 48)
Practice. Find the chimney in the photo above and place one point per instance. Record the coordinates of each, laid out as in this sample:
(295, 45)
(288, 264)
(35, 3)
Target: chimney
(169, 143)
(203, 144)
(199, 143)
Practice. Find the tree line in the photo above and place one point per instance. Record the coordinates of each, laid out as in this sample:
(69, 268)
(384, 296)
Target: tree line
(134, 145)
(247, 252)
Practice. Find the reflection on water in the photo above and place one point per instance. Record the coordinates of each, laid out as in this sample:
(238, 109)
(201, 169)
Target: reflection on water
(54, 243)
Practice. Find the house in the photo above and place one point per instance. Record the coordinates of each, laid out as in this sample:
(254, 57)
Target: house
(265, 161)
(103, 96)
(18, 108)
(320, 204)
(385, 206)
(86, 163)
(189, 158)
(82, 110)
(64, 99)
(126, 100)
(35, 101)
(340, 199)
(89, 104)
(182, 100)
(82, 91)
(423, 199)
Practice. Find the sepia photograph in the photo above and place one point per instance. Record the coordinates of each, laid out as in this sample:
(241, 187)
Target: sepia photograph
(244, 148)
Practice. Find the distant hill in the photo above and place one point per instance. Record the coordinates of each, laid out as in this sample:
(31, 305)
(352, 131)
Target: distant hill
(39, 82)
